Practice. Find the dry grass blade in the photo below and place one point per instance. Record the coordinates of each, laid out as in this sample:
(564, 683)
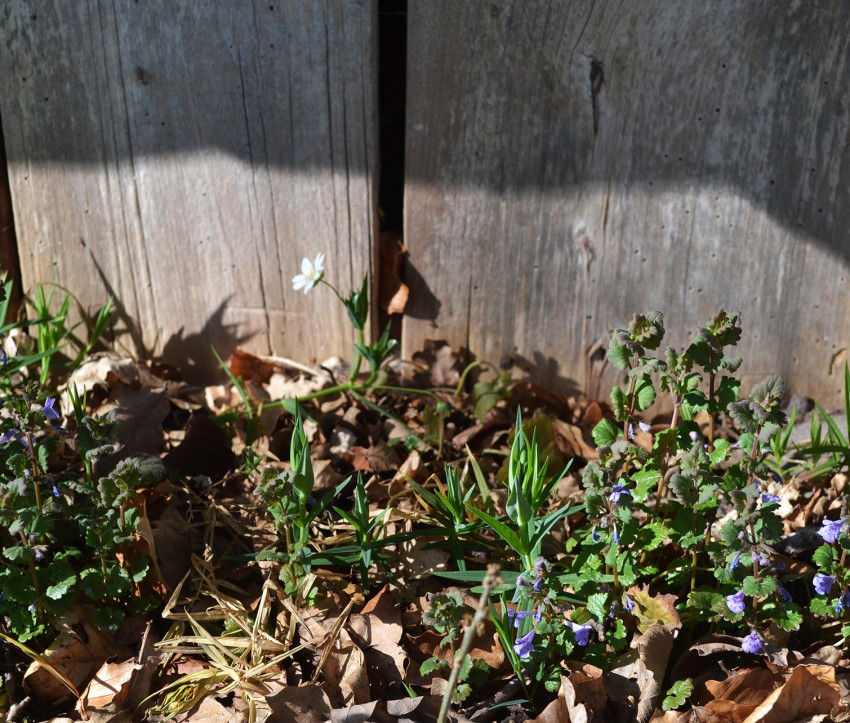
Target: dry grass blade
(332, 636)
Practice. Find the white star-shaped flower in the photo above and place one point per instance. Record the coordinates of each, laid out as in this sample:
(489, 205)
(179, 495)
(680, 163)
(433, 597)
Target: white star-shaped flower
(311, 273)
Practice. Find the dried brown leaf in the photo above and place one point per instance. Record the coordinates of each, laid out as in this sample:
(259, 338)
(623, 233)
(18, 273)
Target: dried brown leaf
(111, 684)
(378, 457)
(174, 540)
(441, 365)
(139, 413)
(209, 709)
(414, 562)
(744, 689)
(811, 690)
(654, 647)
(377, 630)
(76, 655)
(570, 440)
(205, 450)
(250, 367)
(394, 291)
(303, 704)
(654, 610)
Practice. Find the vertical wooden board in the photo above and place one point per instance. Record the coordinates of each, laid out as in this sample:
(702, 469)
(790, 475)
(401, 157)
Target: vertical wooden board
(185, 157)
(714, 171)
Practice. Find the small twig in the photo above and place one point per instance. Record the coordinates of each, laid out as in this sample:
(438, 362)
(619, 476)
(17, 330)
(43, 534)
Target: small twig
(491, 579)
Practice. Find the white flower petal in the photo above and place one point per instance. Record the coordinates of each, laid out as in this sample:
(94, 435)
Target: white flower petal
(306, 266)
(319, 263)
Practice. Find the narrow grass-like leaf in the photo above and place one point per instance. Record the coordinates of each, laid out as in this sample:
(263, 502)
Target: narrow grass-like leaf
(501, 529)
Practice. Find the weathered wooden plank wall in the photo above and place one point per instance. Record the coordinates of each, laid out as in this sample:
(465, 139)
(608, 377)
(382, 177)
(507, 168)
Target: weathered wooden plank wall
(571, 163)
(185, 156)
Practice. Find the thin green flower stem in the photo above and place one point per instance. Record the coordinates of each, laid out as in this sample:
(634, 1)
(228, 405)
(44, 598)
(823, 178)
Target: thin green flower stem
(39, 609)
(659, 493)
(631, 402)
(31, 449)
(462, 381)
(755, 575)
(358, 357)
(408, 390)
(288, 538)
(711, 416)
(327, 283)
(694, 551)
(491, 579)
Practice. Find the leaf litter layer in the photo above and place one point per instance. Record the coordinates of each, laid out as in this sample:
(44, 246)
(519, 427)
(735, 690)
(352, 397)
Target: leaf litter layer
(250, 626)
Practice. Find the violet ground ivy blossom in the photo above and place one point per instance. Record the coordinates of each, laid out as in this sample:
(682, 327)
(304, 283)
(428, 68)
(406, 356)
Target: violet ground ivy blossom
(830, 530)
(48, 409)
(518, 617)
(823, 583)
(524, 645)
(582, 632)
(617, 491)
(752, 643)
(735, 602)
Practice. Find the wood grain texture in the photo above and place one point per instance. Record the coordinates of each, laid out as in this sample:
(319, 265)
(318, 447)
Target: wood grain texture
(715, 171)
(186, 156)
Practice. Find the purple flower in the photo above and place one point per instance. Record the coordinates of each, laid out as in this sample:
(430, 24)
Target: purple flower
(693, 435)
(629, 603)
(32, 608)
(631, 431)
(48, 409)
(9, 434)
(616, 492)
(524, 645)
(736, 602)
(752, 643)
(3, 357)
(784, 594)
(538, 583)
(842, 602)
(830, 530)
(616, 535)
(582, 632)
(735, 561)
(594, 535)
(823, 583)
(55, 490)
(644, 427)
(517, 617)
(538, 616)
(767, 499)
